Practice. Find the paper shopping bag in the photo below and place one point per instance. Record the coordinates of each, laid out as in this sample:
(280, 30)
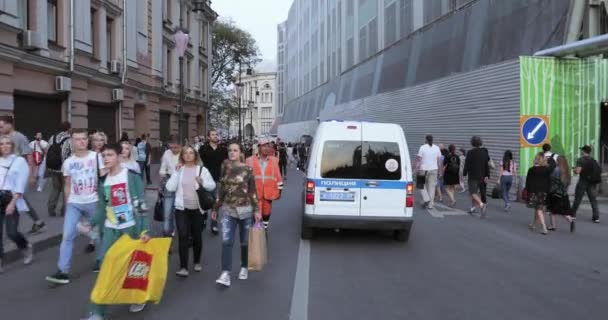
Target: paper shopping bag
(133, 272)
(257, 248)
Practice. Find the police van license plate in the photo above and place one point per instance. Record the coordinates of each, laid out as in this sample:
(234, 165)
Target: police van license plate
(338, 196)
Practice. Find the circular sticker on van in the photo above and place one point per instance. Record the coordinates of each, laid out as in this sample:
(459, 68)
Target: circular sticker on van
(391, 165)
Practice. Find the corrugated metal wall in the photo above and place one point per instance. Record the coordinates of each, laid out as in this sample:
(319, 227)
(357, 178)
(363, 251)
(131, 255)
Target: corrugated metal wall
(483, 102)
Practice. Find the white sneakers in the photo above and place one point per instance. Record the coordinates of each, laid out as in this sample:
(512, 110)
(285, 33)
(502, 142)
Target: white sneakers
(135, 308)
(224, 279)
(244, 274)
(28, 254)
(198, 267)
(182, 273)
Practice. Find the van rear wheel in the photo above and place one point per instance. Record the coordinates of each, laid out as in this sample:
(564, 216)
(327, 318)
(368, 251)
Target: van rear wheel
(307, 232)
(401, 235)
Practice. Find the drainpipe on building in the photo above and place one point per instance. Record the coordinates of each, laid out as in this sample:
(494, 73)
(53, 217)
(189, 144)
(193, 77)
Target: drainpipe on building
(71, 61)
(123, 78)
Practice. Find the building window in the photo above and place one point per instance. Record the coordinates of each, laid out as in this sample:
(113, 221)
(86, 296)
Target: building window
(94, 37)
(109, 38)
(168, 67)
(187, 82)
(52, 20)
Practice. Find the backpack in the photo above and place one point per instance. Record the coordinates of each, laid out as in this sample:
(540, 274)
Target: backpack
(454, 165)
(54, 156)
(592, 172)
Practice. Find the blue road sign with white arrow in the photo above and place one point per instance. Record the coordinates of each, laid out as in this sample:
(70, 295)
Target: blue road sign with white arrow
(535, 130)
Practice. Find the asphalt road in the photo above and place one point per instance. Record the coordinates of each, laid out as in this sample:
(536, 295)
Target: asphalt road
(454, 267)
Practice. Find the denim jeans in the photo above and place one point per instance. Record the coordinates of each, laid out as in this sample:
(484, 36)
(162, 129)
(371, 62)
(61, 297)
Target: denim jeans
(506, 182)
(229, 225)
(591, 190)
(73, 213)
(12, 231)
(169, 210)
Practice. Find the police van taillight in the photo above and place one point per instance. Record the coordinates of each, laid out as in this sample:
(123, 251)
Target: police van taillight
(310, 192)
(409, 197)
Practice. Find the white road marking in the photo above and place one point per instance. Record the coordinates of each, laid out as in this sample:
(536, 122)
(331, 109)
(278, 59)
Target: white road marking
(299, 298)
(445, 211)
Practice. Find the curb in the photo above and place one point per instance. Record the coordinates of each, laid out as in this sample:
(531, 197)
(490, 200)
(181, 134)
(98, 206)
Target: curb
(40, 246)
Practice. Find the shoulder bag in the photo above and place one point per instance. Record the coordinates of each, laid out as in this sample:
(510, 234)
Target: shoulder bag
(206, 199)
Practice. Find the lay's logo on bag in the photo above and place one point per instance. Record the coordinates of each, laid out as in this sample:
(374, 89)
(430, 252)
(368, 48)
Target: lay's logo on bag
(139, 269)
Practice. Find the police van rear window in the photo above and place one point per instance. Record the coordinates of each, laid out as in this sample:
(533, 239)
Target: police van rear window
(341, 160)
(381, 161)
(356, 160)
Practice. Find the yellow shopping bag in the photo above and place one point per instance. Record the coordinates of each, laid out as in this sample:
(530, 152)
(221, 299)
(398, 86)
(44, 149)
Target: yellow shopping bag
(133, 272)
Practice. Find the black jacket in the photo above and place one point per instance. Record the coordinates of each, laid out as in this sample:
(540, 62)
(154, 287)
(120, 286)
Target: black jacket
(213, 159)
(476, 165)
(539, 179)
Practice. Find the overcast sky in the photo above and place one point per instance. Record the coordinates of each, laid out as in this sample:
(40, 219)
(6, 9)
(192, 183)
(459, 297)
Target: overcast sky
(260, 18)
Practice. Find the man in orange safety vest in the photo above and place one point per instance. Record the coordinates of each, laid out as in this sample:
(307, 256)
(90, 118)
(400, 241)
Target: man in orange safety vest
(268, 179)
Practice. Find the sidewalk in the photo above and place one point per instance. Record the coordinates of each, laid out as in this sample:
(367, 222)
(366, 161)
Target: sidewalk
(51, 236)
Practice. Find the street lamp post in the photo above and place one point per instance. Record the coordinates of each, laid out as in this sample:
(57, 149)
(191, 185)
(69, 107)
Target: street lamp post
(239, 92)
(181, 43)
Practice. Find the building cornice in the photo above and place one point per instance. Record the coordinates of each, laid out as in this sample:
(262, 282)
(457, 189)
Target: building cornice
(31, 60)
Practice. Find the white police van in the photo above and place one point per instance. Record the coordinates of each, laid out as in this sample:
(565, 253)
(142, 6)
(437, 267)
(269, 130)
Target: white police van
(359, 176)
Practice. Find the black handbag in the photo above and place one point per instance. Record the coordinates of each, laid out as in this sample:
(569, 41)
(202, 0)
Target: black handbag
(6, 196)
(159, 208)
(206, 199)
(496, 192)
(420, 180)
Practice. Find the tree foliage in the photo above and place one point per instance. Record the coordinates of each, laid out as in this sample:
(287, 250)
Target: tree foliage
(231, 45)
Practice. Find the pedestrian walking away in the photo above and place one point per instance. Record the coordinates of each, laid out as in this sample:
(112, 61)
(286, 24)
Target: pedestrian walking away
(506, 180)
(60, 148)
(168, 165)
(213, 155)
(22, 149)
(462, 156)
(185, 182)
(538, 183)
(39, 148)
(558, 201)
(451, 176)
(13, 179)
(590, 176)
(237, 205)
(477, 170)
(144, 150)
(81, 172)
(121, 211)
(268, 179)
(428, 164)
(282, 151)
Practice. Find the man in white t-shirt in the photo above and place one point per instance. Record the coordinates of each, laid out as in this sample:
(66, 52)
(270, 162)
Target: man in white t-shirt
(81, 174)
(430, 165)
(39, 147)
(169, 163)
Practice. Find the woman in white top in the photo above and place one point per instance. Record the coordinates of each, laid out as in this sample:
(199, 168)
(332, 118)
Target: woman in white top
(14, 174)
(185, 181)
(127, 158)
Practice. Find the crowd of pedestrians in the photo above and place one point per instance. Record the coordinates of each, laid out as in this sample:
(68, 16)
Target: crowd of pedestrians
(545, 188)
(98, 188)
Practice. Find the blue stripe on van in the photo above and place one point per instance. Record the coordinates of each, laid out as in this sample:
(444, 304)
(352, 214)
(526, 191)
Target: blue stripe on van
(362, 184)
